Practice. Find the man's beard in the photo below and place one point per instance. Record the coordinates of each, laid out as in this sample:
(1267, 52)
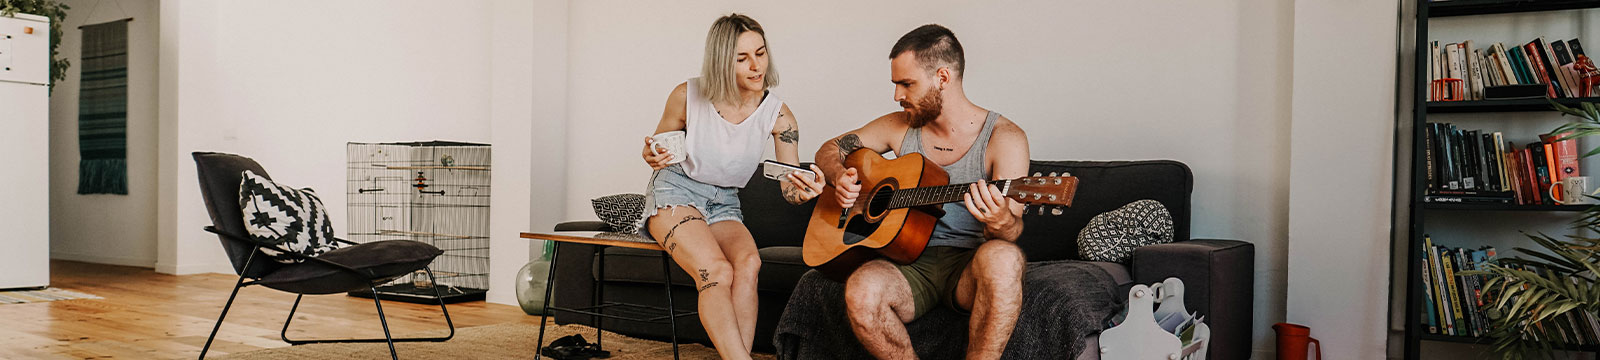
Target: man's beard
(925, 109)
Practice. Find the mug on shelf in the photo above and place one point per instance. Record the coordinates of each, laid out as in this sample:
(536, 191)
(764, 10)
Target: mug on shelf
(1574, 191)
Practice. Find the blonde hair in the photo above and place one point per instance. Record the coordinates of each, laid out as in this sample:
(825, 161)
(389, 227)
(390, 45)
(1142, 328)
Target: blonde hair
(718, 81)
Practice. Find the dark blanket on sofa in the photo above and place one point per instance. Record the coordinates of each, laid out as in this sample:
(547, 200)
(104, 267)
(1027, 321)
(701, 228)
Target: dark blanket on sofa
(1063, 301)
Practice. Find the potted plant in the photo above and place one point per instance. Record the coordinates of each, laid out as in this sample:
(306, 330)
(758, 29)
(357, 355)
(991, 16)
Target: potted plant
(1528, 299)
(57, 12)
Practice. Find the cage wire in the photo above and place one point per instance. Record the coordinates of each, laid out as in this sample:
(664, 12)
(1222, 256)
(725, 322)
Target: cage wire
(435, 192)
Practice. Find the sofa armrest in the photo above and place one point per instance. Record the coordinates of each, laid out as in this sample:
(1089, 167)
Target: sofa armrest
(1218, 282)
(586, 225)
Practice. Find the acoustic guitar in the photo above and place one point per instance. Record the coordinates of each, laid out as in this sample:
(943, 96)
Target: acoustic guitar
(899, 204)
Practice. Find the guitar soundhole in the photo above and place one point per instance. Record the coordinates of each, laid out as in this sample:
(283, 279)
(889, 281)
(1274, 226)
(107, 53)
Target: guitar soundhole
(880, 201)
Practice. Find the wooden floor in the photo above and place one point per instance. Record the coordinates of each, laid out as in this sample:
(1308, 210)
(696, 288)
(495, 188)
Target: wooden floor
(146, 315)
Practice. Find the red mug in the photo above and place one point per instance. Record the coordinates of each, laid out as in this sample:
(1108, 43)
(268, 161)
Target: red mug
(1293, 341)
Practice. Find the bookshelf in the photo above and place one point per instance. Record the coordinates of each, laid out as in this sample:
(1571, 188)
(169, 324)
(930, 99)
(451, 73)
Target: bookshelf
(1416, 332)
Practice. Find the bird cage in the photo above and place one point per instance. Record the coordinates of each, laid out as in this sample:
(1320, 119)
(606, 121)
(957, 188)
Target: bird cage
(436, 192)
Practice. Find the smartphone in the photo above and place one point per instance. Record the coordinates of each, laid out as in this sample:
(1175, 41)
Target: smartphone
(777, 170)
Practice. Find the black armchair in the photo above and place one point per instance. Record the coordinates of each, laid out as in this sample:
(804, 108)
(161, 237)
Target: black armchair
(349, 268)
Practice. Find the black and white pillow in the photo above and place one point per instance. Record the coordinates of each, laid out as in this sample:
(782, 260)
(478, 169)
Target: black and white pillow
(290, 218)
(621, 211)
(1114, 235)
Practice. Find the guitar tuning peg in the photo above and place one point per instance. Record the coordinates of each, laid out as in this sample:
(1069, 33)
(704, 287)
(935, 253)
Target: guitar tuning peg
(1055, 211)
(1037, 174)
(1036, 196)
(1052, 198)
(1058, 181)
(1041, 210)
(1052, 174)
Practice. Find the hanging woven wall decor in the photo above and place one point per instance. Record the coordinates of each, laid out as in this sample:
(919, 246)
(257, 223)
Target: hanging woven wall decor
(103, 110)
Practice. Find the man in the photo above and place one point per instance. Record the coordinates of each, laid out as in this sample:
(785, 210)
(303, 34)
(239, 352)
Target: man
(972, 263)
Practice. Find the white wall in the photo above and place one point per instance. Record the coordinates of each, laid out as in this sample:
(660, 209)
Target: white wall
(1206, 83)
(289, 86)
(1341, 168)
(102, 228)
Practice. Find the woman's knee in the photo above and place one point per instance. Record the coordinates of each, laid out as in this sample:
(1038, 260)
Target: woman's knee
(713, 273)
(747, 265)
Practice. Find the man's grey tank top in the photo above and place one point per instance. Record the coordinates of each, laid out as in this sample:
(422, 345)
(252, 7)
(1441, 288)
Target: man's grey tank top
(958, 228)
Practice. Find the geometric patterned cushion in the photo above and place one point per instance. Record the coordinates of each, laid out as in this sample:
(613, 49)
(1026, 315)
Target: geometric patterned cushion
(1114, 235)
(280, 215)
(621, 211)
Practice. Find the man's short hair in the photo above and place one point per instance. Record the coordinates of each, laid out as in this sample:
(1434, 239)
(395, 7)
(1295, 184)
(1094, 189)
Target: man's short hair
(935, 46)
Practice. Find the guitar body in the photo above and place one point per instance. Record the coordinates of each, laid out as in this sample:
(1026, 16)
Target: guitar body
(871, 228)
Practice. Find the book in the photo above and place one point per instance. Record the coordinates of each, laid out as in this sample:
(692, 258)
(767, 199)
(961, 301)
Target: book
(1540, 52)
(1500, 59)
(1498, 142)
(1565, 159)
(1550, 173)
(1453, 290)
(1429, 319)
(1428, 135)
(1536, 70)
(1562, 61)
(1541, 172)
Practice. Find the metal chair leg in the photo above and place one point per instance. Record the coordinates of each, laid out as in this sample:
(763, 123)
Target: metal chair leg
(440, 296)
(229, 304)
(225, 308)
(544, 316)
(672, 310)
(450, 324)
(385, 321)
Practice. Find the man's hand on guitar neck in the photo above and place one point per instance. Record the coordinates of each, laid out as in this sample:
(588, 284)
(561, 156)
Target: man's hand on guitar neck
(998, 213)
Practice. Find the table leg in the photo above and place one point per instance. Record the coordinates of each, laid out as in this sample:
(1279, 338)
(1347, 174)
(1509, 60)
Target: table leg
(549, 284)
(600, 299)
(672, 311)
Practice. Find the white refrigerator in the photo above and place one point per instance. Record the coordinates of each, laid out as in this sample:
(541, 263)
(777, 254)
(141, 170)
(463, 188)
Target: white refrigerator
(25, 146)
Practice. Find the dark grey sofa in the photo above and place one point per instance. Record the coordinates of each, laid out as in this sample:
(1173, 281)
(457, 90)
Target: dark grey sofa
(1217, 273)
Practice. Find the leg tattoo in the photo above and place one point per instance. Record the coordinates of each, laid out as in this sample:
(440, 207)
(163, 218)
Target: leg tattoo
(704, 276)
(708, 286)
(680, 223)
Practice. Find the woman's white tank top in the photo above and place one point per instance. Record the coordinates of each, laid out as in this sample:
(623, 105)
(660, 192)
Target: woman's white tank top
(723, 153)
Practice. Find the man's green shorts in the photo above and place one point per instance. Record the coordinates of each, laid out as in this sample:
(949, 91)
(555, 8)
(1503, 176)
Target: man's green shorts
(933, 276)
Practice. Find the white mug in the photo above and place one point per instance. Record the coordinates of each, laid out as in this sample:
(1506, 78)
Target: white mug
(672, 141)
(1574, 191)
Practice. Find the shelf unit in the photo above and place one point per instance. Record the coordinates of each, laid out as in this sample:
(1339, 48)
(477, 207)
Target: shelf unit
(1415, 331)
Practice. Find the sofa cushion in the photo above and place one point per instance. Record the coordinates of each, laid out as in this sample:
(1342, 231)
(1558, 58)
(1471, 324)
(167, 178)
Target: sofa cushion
(621, 212)
(1104, 186)
(772, 220)
(1114, 235)
(293, 219)
(781, 267)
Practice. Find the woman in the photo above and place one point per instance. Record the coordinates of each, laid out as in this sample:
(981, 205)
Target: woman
(692, 207)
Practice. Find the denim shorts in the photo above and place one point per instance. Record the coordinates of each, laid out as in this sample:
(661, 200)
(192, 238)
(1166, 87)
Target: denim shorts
(670, 187)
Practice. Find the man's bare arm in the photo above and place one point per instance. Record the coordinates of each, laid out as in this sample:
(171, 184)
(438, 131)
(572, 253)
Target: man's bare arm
(1008, 151)
(877, 135)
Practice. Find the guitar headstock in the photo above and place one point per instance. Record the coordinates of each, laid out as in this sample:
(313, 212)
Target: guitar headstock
(1039, 189)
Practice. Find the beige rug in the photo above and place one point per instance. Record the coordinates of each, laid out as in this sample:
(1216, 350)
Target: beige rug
(502, 341)
(48, 294)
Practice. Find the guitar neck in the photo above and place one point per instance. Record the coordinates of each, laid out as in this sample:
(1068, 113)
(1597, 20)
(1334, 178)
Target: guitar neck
(935, 195)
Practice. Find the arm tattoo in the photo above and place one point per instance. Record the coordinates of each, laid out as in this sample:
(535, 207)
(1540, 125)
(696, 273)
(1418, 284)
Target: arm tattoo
(848, 143)
(791, 193)
(790, 136)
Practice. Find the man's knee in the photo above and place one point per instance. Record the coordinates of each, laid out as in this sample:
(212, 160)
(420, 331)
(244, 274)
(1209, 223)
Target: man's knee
(865, 290)
(997, 260)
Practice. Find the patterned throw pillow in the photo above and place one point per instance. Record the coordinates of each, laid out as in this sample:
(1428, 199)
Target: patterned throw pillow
(280, 215)
(1114, 235)
(621, 211)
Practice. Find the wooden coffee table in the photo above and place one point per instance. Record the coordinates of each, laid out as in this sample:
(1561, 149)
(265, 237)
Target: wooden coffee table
(597, 309)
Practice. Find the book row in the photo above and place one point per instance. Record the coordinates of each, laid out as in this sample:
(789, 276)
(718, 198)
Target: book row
(1469, 71)
(1454, 302)
(1477, 166)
